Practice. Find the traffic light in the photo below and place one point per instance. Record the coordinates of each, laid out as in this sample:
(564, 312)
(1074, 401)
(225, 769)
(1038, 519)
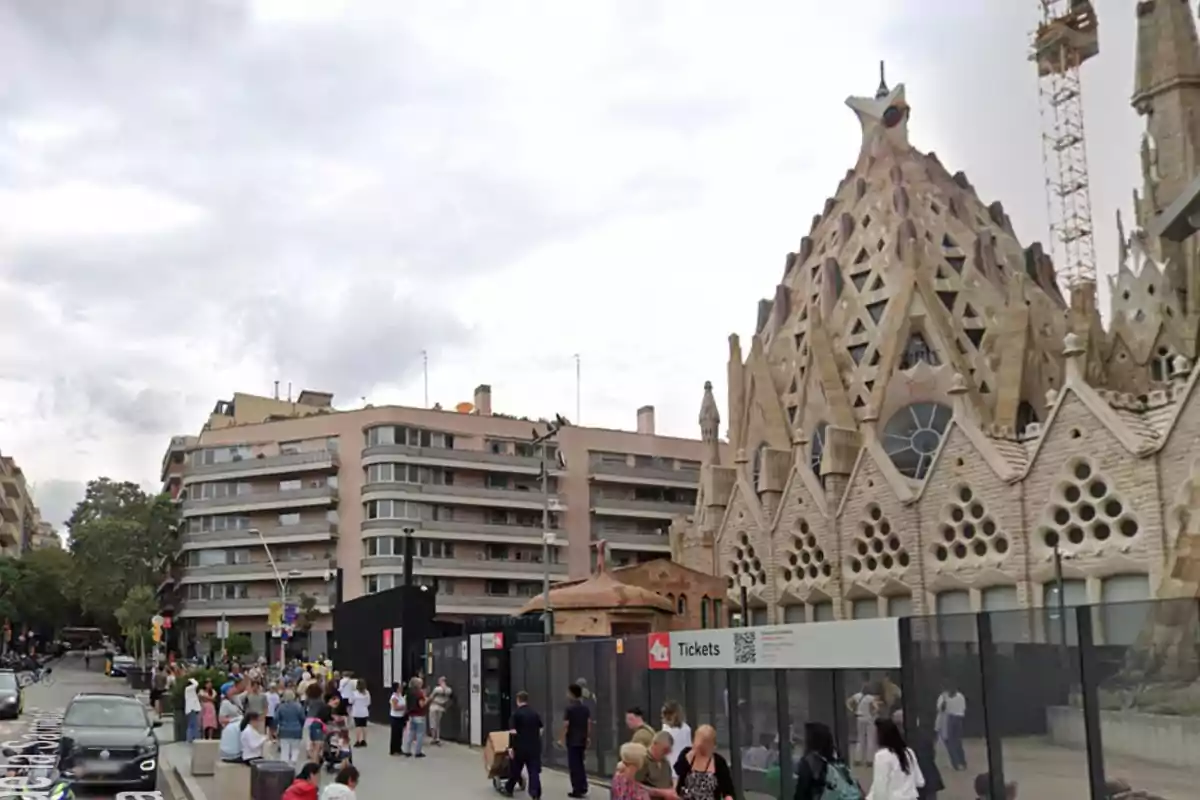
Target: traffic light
(156, 632)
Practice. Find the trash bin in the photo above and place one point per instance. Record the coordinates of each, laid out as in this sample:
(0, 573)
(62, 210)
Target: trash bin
(270, 779)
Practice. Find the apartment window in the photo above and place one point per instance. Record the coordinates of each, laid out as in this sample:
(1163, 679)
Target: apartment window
(380, 583)
(291, 486)
(497, 588)
(383, 546)
(383, 434)
(218, 522)
(379, 473)
(331, 515)
(435, 548)
(497, 481)
(331, 444)
(527, 589)
(394, 509)
(497, 552)
(292, 518)
(496, 516)
(216, 489)
(289, 448)
(331, 481)
(219, 455)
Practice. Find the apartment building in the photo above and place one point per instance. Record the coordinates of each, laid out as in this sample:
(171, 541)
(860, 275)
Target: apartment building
(21, 526)
(325, 489)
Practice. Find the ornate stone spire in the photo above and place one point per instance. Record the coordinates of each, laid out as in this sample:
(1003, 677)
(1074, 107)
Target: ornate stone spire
(710, 425)
(884, 117)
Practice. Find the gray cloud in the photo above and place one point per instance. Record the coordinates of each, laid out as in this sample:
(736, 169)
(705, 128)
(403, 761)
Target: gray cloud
(56, 499)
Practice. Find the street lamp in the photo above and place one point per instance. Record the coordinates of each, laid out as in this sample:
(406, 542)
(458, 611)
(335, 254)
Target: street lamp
(281, 581)
(542, 440)
(745, 581)
(1060, 590)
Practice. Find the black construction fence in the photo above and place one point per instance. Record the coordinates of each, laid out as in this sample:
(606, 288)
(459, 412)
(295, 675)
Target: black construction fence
(1099, 702)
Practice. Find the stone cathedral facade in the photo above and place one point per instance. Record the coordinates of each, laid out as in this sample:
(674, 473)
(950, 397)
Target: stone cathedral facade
(922, 416)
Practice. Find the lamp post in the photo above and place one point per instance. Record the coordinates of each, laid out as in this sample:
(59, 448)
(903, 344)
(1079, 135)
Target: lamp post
(744, 584)
(1060, 589)
(281, 581)
(542, 440)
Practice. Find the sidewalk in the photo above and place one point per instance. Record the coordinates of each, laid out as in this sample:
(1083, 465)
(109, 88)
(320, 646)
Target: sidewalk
(450, 770)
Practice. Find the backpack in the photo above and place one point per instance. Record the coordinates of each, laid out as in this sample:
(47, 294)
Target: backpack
(838, 783)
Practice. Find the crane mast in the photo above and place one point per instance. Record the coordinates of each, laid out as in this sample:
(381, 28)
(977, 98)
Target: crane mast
(1066, 37)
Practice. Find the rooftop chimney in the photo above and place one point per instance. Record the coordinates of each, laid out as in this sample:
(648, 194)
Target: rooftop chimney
(483, 400)
(646, 420)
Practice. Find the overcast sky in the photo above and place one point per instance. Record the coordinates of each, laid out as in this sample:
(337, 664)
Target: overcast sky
(198, 197)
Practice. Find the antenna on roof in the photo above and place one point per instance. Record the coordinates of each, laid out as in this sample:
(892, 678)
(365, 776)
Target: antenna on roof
(289, 391)
(883, 90)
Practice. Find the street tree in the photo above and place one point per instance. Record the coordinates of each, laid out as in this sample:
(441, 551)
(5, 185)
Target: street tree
(134, 615)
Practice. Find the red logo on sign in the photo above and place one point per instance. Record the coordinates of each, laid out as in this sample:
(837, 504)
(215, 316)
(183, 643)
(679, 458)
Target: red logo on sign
(387, 639)
(499, 641)
(660, 650)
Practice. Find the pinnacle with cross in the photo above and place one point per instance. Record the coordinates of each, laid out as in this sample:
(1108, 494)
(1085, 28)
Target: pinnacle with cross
(601, 556)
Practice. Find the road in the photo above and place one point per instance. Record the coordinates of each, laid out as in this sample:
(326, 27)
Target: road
(70, 678)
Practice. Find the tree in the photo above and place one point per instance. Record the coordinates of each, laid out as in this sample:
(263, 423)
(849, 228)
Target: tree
(120, 537)
(134, 615)
(34, 590)
(306, 614)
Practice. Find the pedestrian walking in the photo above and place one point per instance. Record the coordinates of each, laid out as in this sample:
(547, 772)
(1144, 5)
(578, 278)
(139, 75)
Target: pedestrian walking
(360, 711)
(896, 775)
(576, 734)
(289, 725)
(398, 717)
(192, 708)
(438, 701)
(525, 748)
(416, 704)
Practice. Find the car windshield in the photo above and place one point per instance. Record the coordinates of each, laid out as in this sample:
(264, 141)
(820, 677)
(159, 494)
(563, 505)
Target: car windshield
(8, 681)
(105, 714)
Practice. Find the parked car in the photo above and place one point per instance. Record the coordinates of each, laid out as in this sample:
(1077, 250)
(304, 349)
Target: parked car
(108, 741)
(121, 665)
(12, 702)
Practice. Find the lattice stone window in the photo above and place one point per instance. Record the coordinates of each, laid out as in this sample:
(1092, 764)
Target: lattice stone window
(916, 351)
(746, 561)
(1086, 506)
(1161, 364)
(804, 558)
(816, 448)
(876, 547)
(967, 529)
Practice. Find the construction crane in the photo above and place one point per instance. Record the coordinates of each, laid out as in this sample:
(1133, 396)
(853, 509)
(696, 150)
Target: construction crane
(1066, 37)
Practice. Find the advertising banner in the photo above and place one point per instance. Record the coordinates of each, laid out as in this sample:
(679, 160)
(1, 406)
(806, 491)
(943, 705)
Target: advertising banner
(864, 643)
(387, 657)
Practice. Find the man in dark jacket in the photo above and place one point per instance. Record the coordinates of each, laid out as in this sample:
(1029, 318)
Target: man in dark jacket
(525, 747)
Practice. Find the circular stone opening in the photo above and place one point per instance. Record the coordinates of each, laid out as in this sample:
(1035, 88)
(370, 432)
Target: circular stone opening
(749, 552)
(730, 582)
(797, 543)
(1050, 538)
(1097, 489)
(1101, 531)
(876, 513)
(793, 558)
(988, 527)
(956, 514)
(977, 511)
(980, 548)
(787, 574)
(1001, 545)
(1083, 471)
(884, 528)
(1075, 534)
(738, 553)
(1129, 527)
(871, 563)
(1071, 493)
(819, 554)
(744, 539)
(812, 571)
(733, 567)
(948, 533)
(861, 547)
(964, 494)
(894, 543)
(960, 550)
(902, 559)
(1061, 516)
(1113, 509)
(887, 562)
(804, 526)
(811, 541)
(968, 531)
(757, 564)
(805, 557)
(1087, 512)
(877, 545)
(868, 531)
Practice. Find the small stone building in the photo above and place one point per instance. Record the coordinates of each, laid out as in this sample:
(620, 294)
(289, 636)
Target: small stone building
(923, 416)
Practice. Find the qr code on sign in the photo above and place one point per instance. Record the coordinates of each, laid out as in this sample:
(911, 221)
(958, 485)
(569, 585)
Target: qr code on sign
(745, 649)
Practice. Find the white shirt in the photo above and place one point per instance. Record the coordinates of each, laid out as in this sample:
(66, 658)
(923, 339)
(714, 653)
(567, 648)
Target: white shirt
(272, 703)
(397, 705)
(345, 687)
(252, 743)
(191, 698)
(953, 704)
(360, 704)
(891, 781)
(681, 738)
(864, 706)
(230, 747)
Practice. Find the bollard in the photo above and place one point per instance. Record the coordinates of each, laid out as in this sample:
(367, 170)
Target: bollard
(270, 779)
(204, 756)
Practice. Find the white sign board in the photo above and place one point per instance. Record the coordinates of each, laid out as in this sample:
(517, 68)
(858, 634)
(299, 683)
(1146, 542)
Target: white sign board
(852, 644)
(476, 690)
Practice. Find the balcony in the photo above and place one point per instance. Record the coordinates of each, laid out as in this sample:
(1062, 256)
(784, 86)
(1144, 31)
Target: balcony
(479, 604)
(11, 489)
(243, 607)
(645, 509)
(10, 536)
(462, 531)
(608, 472)
(630, 540)
(451, 458)
(274, 534)
(461, 495)
(317, 568)
(314, 497)
(464, 568)
(8, 511)
(264, 466)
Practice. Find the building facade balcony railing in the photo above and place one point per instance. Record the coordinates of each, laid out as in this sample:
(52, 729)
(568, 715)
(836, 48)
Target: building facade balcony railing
(315, 496)
(263, 466)
(464, 567)
(655, 509)
(480, 604)
(240, 607)
(462, 531)
(282, 534)
(259, 570)
(463, 495)
(462, 459)
(601, 470)
(629, 540)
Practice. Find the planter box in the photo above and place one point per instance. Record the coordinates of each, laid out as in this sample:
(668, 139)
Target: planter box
(1155, 738)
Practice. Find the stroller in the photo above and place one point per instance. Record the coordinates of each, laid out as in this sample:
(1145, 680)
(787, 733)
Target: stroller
(337, 749)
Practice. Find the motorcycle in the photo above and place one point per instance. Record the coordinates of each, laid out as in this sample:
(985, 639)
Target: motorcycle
(39, 771)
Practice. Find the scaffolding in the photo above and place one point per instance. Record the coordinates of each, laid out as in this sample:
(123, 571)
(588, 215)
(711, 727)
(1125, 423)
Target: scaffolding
(1066, 37)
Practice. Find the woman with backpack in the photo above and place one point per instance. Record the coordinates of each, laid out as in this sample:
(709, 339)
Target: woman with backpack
(822, 774)
(897, 775)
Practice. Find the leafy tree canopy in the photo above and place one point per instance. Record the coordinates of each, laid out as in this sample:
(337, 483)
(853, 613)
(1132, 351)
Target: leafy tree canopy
(34, 589)
(120, 537)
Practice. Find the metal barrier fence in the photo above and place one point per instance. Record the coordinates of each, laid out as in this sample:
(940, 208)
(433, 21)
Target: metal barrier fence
(1111, 712)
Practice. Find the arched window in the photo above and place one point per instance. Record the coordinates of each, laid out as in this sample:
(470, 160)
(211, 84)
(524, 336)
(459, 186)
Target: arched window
(918, 350)
(681, 605)
(816, 448)
(704, 612)
(757, 463)
(913, 434)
